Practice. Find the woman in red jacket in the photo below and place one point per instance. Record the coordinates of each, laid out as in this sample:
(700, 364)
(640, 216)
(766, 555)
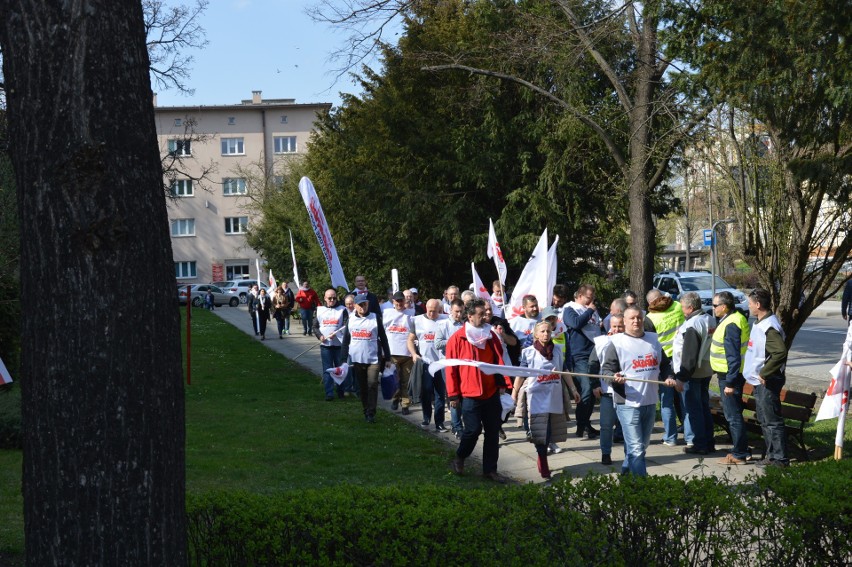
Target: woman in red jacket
(308, 301)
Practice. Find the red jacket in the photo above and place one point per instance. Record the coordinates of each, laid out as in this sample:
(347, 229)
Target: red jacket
(307, 299)
(468, 381)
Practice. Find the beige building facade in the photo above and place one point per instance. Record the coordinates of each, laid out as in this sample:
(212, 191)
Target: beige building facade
(210, 153)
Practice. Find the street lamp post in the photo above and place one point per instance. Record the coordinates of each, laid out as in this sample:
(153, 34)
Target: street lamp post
(713, 250)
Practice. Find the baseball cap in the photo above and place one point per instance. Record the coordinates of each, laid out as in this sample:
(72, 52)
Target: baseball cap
(399, 296)
(549, 312)
(414, 290)
(361, 298)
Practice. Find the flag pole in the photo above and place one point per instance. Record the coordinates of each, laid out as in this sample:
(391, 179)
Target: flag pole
(317, 344)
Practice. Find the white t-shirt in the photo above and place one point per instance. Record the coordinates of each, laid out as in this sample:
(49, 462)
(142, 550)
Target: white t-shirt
(364, 339)
(330, 319)
(639, 357)
(397, 327)
(523, 329)
(425, 329)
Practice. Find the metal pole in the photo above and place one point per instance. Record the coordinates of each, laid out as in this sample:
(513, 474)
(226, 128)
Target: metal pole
(713, 250)
(188, 335)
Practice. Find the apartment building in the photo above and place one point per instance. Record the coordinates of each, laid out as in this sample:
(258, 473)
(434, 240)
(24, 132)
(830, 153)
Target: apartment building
(210, 149)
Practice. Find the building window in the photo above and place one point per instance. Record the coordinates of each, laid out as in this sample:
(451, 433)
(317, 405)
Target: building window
(285, 144)
(182, 188)
(231, 121)
(234, 186)
(232, 147)
(278, 181)
(183, 227)
(237, 272)
(178, 122)
(185, 270)
(283, 119)
(180, 147)
(236, 225)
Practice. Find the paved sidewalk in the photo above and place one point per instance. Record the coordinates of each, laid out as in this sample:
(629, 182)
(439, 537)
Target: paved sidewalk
(517, 456)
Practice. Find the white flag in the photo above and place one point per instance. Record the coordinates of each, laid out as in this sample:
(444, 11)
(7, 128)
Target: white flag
(551, 273)
(338, 373)
(478, 288)
(296, 279)
(835, 403)
(533, 281)
(329, 252)
(496, 253)
(272, 283)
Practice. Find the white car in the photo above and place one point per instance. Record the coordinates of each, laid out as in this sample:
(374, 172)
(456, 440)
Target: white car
(241, 288)
(199, 292)
(678, 283)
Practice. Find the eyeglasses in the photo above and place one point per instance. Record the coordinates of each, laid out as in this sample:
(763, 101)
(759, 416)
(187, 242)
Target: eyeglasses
(716, 304)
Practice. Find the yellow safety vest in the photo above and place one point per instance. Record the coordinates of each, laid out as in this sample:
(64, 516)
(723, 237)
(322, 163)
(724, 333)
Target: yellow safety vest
(718, 362)
(666, 324)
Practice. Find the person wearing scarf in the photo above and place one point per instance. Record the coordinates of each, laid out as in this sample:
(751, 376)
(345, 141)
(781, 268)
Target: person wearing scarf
(477, 394)
(548, 400)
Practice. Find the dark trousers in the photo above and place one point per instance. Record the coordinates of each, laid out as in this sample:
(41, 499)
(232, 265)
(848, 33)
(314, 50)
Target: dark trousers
(768, 401)
(432, 388)
(262, 319)
(479, 416)
(253, 316)
(733, 407)
(368, 386)
(587, 398)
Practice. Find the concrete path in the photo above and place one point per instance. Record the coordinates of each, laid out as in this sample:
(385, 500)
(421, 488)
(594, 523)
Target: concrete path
(517, 456)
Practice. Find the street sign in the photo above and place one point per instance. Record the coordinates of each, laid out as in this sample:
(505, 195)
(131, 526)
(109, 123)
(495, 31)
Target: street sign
(708, 237)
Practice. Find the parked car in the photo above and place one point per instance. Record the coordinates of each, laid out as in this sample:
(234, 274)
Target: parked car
(199, 292)
(241, 288)
(678, 283)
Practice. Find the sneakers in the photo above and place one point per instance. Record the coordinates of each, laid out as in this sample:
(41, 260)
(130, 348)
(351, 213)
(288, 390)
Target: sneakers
(457, 434)
(606, 460)
(494, 476)
(370, 418)
(592, 432)
(729, 459)
(670, 443)
(501, 434)
(553, 449)
(406, 411)
(424, 425)
(441, 429)
(457, 465)
(395, 405)
(691, 450)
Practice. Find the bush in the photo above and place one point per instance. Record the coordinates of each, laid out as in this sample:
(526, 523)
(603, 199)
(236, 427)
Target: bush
(787, 517)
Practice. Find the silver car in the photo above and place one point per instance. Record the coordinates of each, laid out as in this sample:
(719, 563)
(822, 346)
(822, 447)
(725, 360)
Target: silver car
(678, 283)
(198, 293)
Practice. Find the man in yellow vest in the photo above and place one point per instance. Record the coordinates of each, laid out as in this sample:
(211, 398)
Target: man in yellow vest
(665, 316)
(727, 356)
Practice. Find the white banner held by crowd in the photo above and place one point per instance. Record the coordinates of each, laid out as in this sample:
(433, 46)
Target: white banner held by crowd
(329, 252)
(496, 253)
(296, 279)
(533, 281)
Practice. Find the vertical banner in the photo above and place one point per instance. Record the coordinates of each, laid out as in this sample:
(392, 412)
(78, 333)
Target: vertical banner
(296, 279)
(533, 281)
(329, 252)
(496, 253)
(551, 272)
(478, 288)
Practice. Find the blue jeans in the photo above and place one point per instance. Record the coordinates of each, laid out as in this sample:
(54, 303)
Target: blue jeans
(637, 425)
(307, 319)
(432, 387)
(698, 422)
(584, 385)
(732, 406)
(330, 356)
(667, 411)
(481, 415)
(608, 422)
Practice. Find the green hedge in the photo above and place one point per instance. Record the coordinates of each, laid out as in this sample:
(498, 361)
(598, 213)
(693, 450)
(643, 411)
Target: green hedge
(798, 516)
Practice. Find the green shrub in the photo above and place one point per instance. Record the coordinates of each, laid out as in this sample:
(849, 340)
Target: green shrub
(787, 517)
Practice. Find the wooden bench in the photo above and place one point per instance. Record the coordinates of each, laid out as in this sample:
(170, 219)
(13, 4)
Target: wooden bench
(796, 409)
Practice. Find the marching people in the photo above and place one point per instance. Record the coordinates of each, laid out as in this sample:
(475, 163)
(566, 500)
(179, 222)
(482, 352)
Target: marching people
(602, 390)
(252, 308)
(636, 354)
(421, 345)
(511, 345)
(330, 319)
(477, 394)
(581, 318)
(308, 301)
(691, 365)
(547, 399)
(397, 324)
(443, 332)
(617, 307)
(263, 310)
(367, 346)
(282, 304)
(372, 298)
(523, 326)
(664, 317)
(450, 295)
(727, 357)
(765, 359)
(497, 298)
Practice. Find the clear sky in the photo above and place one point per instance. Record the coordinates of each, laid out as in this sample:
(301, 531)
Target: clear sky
(267, 45)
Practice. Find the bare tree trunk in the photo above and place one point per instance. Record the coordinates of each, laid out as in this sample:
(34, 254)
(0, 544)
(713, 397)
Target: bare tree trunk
(103, 408)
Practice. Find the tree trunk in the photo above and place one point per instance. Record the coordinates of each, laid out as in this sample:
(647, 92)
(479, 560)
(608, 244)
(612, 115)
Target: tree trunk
(103, 408)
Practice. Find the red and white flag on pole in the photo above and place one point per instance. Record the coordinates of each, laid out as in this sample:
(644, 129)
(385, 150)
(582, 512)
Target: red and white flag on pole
(272, 283)
(551, 272)
(338, 373)
(496, 253)
(835, 403)
(5, 377)
(296, 279)
(478, 288)
(329, 252)
(533, 281)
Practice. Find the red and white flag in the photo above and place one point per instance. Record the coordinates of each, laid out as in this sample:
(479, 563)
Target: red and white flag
(296, 279)
(533, 281)
(338, 373)
(496, 253)
(329, 252)
(478, 287)
(5, 377)
(551, 272)
(272, 283)
(835, 403)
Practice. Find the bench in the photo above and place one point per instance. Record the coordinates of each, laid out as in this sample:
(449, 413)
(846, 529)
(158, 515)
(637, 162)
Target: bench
(796, 409)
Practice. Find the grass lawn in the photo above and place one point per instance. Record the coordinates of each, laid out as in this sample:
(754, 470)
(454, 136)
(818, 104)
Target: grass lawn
(257, 422)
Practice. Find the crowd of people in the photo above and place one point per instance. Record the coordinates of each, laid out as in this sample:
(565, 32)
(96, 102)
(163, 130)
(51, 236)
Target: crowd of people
(626, 363)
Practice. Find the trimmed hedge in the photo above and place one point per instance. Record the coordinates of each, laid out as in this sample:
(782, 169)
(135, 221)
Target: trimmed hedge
(798, 516)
